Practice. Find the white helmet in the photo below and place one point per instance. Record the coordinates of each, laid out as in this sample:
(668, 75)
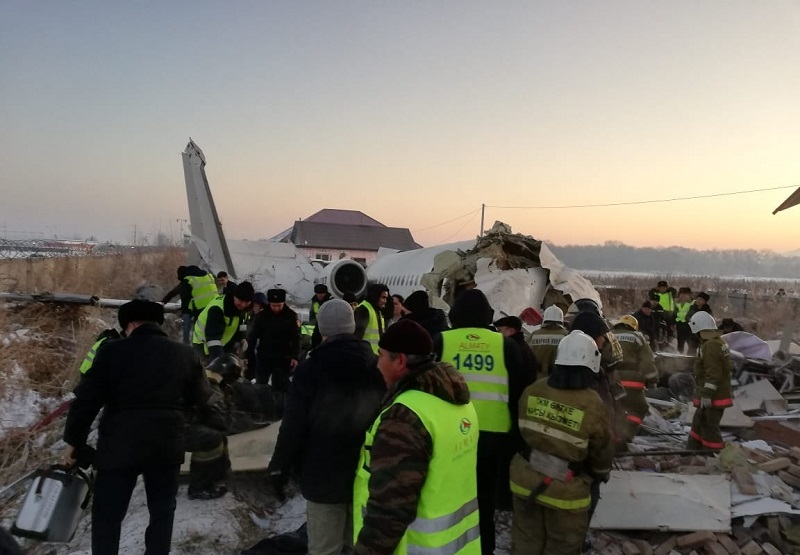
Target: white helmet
(702, 321)
(553, 314)
(578, 349)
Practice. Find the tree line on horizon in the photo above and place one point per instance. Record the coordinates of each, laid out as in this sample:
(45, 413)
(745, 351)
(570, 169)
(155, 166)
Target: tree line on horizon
(616, 256)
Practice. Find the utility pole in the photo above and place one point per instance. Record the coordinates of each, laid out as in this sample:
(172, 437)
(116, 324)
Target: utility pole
(483, 212)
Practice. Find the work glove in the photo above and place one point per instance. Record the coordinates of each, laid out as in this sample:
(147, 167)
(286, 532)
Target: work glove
(278, 480)
(705, 402)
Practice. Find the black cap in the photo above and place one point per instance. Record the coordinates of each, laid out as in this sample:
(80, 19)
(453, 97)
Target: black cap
(662, 283)
(703, 295)
(647, 304)
(140, 311)
(276, 295)
(509, 322)
(320, 288)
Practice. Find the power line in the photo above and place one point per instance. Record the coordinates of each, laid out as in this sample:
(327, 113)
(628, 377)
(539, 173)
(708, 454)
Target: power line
(655, 201)
(445, 241)
(448, 221)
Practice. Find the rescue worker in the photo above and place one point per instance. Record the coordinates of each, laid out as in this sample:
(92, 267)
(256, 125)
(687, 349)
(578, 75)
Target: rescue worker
(145, 383)
(197, 289)
(419, 309)
(415, 489)
(222, 324)
(649, 323)
(682, 306)
(636, 372)
(566, 430)
(494, 371)
(321, 295)
(274, 345)
(331, 402)
(700, 305)
(581, 305)
(370, 323)
(224, 284)
(544, 341)
(206, 433)
(104, 335)
(712, 378)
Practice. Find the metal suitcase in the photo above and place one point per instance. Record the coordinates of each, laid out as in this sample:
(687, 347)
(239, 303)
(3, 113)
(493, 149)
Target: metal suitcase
(54, 503)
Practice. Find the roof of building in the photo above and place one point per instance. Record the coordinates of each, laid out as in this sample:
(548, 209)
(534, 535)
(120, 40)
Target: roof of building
(344, 236)
(332, 216)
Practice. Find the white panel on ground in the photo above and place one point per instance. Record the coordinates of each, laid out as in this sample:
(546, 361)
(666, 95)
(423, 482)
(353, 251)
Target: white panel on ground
(668, 502)
(248, 450)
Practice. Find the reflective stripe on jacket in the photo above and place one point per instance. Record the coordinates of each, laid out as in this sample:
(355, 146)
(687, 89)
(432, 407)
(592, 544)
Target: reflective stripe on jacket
(89, 359)
(479, 355)
(447, 521)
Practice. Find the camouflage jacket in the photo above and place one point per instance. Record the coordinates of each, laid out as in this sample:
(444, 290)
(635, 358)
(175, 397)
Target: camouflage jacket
(400, 455)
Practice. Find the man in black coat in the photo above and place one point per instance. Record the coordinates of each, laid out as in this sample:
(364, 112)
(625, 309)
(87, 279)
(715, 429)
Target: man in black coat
(420, 311)
(273, 345)
(332, 401)
(145, 382)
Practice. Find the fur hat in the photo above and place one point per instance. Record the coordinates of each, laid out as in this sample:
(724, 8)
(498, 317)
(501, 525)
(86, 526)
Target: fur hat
(244, 291)
(335, 317)
(140, 311)
(276, 295)
(407, 337)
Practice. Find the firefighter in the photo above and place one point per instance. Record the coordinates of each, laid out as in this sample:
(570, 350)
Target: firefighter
(712, 378)
(636, 372)
(568, 447)
(544, 341)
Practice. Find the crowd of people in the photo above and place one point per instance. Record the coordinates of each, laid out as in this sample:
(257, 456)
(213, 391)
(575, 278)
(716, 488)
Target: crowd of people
(405, 428)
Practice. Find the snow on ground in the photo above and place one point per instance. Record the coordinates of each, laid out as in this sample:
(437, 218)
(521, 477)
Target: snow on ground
(20, 407)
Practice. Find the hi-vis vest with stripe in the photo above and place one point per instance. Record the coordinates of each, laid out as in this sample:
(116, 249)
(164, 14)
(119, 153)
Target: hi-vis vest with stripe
(447, 521)
(683, 311)
(478, 354)
(204, 290)
(89, 359)
(231, 326)
(372, 334)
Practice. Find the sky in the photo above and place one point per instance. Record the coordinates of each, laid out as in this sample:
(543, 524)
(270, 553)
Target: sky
(416, 113)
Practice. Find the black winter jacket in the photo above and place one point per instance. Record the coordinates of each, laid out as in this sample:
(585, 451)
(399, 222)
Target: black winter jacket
(433, 320)
(333, 399)
(146, 383)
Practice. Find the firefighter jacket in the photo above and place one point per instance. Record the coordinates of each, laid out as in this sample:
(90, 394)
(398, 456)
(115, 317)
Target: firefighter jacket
(544, 344)
(416, 486)
(712, 370)
(571, 427)
(638, 367)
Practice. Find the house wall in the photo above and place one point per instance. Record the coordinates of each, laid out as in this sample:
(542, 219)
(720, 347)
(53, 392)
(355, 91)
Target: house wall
(335, 254)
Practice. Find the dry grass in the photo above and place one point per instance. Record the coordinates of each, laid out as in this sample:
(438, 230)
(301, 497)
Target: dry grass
(56, 337)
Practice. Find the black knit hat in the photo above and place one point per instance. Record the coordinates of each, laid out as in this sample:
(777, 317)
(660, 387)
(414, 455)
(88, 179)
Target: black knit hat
(417, 301)
(509, 322)
(320, 288)
(140, 311)
(244, 291)
(407, 337)
(703, 295)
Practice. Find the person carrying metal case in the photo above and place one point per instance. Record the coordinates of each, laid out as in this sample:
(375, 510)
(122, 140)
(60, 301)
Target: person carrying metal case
(568, 447)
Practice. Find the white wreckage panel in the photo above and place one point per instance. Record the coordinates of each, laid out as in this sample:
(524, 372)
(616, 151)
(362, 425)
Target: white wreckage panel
(268, 264)
(667, 502)
(510, 291)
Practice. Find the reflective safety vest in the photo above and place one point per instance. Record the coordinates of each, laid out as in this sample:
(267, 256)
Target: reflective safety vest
(89, 359)
(373, 333)
(478, 354)
(231, 326)
(204, 290)
(683, 311)
(447, 521)
(667, 301)
(315, 306)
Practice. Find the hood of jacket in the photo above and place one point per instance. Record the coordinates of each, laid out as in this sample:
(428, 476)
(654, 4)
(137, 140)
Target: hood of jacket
(471, 310)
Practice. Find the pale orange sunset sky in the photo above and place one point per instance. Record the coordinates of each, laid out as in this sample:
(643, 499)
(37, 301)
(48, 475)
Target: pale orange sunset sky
(415, 113)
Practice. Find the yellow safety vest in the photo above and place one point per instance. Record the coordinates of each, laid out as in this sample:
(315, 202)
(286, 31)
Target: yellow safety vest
(231, 327)
(447, 521)
(667, 301)
(372, 334)
(204, 290)
(683, 311)
(89, 359)
(478, 354)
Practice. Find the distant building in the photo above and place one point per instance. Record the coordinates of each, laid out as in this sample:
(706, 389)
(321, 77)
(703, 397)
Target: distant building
(332, 234)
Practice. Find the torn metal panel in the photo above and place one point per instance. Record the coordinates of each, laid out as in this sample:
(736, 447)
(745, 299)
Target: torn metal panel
(755, 395)
(248, 451)
(667, 502)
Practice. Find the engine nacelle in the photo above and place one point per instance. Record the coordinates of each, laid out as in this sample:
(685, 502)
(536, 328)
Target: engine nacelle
(344, 275)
